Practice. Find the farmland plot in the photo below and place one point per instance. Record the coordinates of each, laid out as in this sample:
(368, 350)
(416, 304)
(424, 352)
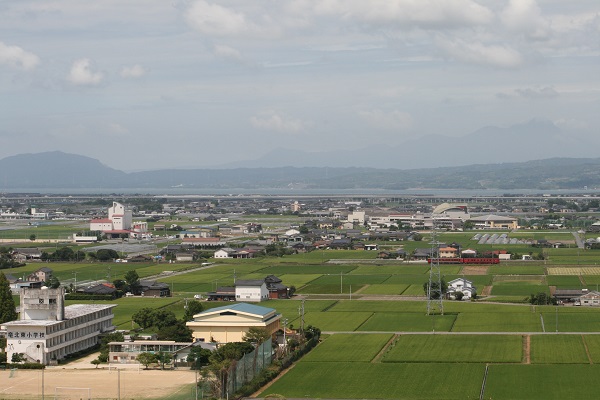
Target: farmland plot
(456, 348)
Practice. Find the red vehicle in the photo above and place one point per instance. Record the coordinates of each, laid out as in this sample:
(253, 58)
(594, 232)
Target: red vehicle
(466, 260)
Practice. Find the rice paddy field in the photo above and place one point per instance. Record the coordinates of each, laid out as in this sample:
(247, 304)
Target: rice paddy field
(379, 342)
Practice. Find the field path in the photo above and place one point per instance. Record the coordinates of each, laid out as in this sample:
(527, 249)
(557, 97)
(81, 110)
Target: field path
(379, 355)
(527, 349)
(487, 290)
(587, 351)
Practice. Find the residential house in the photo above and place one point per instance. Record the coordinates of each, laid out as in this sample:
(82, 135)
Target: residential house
(254, 290)
(41, 275)
(103, 289)
(591, 298)
(461, 285)
(276, 289)
(154, 289)
(27, 254)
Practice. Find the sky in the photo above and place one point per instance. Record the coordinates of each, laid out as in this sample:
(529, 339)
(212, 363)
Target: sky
(149, 84)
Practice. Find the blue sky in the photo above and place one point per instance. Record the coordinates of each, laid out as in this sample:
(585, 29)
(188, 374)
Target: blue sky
(141, 84)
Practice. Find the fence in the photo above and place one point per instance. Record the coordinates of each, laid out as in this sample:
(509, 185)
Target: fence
(245, 369)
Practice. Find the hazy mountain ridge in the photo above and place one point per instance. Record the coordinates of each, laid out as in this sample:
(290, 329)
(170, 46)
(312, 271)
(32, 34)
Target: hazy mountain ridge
(62, 170)
(487, 145)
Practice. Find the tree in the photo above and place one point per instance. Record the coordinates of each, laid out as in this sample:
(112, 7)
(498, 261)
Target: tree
(198, 356)
(96, 362)
(7, 303)
(311, 332)
(32, 237)
(163, 318)
(291, 290)
(53, 282)
(256, 335)
(177, 331)
(435, 289)
(17, 358)
(144, 317)
(458, 296)
(192, 308)
(163, 358)
(542, 298)
(417, 237)
(111, 337)
(133, 281)
(106, 255)
(146, 359)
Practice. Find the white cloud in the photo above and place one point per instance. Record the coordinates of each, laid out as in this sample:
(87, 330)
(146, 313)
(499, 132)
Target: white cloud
(271, 120)
(82, 74)
(15, 56)
(134, 71)
(524, 16)
(477, 53)
(227, 52)
(537, 93)
(423, 13)
(117, 129)
(213, 19)
(571, 124)
(388, 120)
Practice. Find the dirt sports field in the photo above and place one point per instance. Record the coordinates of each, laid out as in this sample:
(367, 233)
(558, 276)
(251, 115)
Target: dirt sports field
(103, 384)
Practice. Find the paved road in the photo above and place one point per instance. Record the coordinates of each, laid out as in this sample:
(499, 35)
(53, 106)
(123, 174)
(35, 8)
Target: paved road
(578, 240)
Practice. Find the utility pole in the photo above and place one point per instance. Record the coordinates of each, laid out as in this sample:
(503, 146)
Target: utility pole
(434, 286)
(301, 312)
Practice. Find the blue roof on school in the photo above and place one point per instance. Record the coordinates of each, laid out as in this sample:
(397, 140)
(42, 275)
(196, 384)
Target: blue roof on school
(242, 307)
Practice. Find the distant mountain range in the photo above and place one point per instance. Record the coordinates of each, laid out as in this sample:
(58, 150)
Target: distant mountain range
(532, 140)
(58, 170)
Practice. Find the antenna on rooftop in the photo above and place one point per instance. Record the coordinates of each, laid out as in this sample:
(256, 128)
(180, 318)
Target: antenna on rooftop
(435, 295)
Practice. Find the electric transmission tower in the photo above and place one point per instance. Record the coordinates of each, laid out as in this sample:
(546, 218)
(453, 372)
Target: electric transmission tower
(435, 295)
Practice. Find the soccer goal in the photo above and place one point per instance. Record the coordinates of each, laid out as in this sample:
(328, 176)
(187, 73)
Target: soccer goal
(72, 393)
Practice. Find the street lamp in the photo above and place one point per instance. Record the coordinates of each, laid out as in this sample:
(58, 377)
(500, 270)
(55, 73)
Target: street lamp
(284, 338)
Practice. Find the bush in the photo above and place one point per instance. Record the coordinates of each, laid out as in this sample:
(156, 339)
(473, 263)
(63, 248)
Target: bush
(26, 366)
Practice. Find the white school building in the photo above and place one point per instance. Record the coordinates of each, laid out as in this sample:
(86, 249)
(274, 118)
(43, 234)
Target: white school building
(48, 331)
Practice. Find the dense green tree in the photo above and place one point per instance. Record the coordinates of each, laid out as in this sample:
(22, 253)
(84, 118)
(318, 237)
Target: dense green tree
(106, 255)
(256, 335)
(111, 337)
(311, 332)
(32, 237)
(133, 281)
(192, 308)
(435, 289)
(146, 359)
(163, 358)
(7, 303)
(144, 317)
(230, 351)
(542, 299)
(53, 282)
(163, 318)
(177, 331)
(199, 357)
